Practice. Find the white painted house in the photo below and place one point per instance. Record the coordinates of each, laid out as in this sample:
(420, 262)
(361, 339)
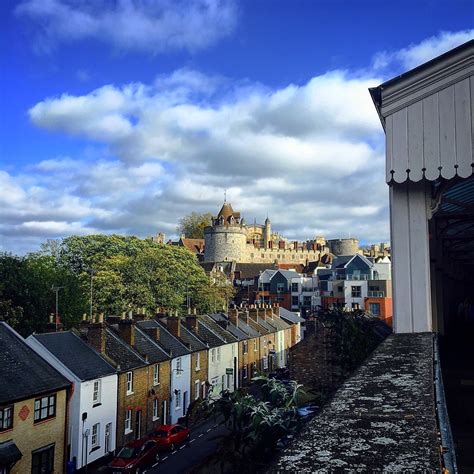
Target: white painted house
(93, 406)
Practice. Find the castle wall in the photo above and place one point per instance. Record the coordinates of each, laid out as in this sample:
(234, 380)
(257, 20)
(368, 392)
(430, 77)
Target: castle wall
(343, 246)
(288, 255)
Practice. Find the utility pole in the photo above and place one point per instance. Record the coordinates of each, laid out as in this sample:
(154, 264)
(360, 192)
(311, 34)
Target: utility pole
(92, 271)
(56, 290)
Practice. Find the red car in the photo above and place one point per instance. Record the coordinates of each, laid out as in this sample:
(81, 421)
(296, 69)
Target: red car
(135, 456)
(170, 436)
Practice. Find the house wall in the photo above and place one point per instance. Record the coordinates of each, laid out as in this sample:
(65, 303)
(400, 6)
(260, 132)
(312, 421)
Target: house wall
(137, 401)
(29, 436)
(180, 381)
(162, 393)
(249, 358)
(386, 308)
(200, 375)
(217, 368)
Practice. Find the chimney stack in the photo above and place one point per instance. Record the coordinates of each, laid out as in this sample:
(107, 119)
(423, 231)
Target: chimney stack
(192, 323)
(126, 329)
(233, 314)
(174, 325)
(96, 335)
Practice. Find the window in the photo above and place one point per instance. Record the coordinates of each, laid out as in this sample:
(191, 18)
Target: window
(179, 367)
(265, 362)
(128, 421)
(196, 389)
(280, 287)
(198, 361)
(6, 418)
(255, 345)
(355, 291)
(374, 308)
(213, 355)
(42, 460)
(294, 301)
(129, 383)
(246, 348)
(254, 369)
(355, 306)
(156, 409)
(218, 354)
(96, 392)
(156, 374)
(306, 301)
(95, 438)
(264, 342)
(294, 287)
(177, 401)
(245, 371)
(45, 408)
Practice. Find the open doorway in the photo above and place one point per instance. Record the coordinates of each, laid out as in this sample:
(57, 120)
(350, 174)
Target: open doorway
(452, 282)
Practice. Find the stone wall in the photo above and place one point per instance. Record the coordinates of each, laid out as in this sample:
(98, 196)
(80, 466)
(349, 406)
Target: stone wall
(343, 246)
(225, 243)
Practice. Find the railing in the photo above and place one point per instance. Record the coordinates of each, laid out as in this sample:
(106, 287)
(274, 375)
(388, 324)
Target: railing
(357, 277)
(375, 294)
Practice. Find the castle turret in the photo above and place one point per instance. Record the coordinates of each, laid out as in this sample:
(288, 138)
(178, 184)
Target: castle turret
(267, 233)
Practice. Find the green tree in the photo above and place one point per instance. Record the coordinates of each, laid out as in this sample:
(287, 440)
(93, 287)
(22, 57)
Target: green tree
(192, 225)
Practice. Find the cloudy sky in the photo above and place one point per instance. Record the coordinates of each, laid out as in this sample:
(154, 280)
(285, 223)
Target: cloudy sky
(123, 116)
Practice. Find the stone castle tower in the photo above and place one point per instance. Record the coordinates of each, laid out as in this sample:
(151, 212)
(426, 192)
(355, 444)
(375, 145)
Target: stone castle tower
(226, 239)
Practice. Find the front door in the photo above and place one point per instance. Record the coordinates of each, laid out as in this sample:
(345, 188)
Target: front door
(108, 432)
(138, 424)
(163, 412)
(185, 402)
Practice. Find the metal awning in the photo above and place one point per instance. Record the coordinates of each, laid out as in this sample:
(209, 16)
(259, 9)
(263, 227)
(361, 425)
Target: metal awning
(9, 453)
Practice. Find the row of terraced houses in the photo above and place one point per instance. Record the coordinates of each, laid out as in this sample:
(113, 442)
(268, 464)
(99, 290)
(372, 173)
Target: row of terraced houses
(76, 396)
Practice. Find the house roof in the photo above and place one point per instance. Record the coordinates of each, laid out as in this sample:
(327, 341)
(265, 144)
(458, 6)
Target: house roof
(277, 323)
(290, 316)
(227, 336)
(81, 359)
(194, 343)
(288, 274)
(223, 321)
(252, 270)
(194, 245)
(172, 344)
(149, 348)
(207, 335)
(23, 373)
(123, 356)
(226, 212)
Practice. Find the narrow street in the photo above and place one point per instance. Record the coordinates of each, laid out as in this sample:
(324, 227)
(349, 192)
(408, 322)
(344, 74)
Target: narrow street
(203, 442)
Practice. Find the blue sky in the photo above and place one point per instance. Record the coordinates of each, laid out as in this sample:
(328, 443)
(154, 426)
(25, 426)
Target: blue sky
(123, 116)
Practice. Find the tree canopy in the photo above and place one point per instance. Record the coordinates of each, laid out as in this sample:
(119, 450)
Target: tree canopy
(192, 225)
(126, 273)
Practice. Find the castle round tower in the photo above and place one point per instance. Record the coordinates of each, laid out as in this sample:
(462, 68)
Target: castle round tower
(340, 247)
(226, 239)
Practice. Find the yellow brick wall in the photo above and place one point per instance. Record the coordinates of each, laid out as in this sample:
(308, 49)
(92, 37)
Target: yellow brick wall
(29, 436)
(162, 392)
(200, 374)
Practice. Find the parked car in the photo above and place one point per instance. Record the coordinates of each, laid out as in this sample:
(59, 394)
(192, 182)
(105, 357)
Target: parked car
(170, 436)
(135, 457)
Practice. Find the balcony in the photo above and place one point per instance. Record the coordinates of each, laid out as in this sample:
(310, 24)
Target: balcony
(376, 294)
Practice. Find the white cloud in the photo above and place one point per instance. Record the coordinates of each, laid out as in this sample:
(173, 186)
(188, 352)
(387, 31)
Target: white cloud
(419, 53)
(153, 26)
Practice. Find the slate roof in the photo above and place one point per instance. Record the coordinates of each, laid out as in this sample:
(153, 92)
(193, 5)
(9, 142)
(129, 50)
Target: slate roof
(277, 323)
(81, 359)
(288, 274)
(249, 270)
(123, 356)
(224, 323)
(290, 316)
(383, 418)
(146, 346)
(23, 373)
(261, 326)
(249, 330)
(209, 336)
(213, 326)
(342, 261)
(194, 343)
(171, 344)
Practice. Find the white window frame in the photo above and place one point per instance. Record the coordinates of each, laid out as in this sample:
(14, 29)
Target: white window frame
(177, 401)
(265, 362)
(179, 366)
(129, 383)
(246, 347)
(156, 374)
(213, 355)
(128, 421)
(156, 409)
(95, 435)
(218, 354)
(96, 391)
(245, 371)
(198, 361)
(255, 345)
(197, 389)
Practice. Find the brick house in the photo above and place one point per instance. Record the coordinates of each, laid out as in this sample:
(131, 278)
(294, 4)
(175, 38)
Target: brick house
(116, 341)
(33, 409)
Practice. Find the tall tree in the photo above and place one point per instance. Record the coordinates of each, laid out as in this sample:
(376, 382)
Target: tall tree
(192, 225)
